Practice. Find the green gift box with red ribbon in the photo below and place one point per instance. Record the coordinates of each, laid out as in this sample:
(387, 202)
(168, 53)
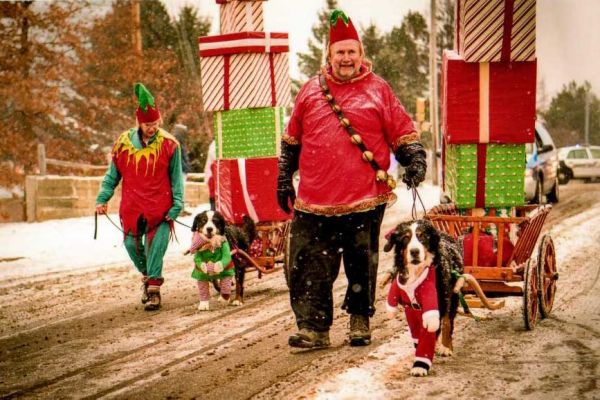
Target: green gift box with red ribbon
(485, 175)
(249, 132)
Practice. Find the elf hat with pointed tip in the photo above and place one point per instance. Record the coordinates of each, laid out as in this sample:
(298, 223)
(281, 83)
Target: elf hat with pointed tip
(341, 27)
(147, 110)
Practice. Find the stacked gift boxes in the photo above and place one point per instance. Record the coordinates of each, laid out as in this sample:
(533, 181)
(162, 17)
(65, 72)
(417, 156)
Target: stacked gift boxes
(488, 102)
(245, 82)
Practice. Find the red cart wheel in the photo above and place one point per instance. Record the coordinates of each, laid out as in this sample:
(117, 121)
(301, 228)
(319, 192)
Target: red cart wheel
(548, 275)
(530, 294)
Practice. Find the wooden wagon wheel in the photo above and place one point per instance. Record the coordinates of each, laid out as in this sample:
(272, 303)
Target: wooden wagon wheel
(530, 294)
(548, 275)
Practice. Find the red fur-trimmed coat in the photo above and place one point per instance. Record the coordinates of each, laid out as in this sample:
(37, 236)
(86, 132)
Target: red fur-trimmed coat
(334, 178)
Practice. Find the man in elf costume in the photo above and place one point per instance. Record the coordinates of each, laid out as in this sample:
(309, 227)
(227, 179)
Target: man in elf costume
(344, 123)
(148, 160)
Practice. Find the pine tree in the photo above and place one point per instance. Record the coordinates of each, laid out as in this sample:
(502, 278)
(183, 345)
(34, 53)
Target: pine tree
(565, 117)
(311, 62)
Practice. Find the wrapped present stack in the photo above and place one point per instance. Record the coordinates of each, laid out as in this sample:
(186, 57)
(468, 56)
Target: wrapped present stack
(488, 102)
(245, 82)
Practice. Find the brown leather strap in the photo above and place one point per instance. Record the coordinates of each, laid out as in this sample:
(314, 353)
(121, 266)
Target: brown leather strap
(367, 156)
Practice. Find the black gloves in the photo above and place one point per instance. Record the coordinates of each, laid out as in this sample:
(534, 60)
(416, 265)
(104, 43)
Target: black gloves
(288, 164)
(412, 157)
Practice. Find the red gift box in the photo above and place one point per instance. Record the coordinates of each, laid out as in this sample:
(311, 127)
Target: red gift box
(245, 70)
(248, 187)
(488, 102)
(486, 255)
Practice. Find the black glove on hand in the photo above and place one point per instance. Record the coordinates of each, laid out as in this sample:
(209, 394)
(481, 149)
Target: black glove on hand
(288, 164)
(413, 158)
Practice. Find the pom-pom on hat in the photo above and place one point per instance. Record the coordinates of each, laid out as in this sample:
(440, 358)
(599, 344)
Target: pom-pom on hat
(341, 27)
(147, 110)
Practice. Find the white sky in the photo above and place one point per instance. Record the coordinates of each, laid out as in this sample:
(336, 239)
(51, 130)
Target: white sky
(568, 34)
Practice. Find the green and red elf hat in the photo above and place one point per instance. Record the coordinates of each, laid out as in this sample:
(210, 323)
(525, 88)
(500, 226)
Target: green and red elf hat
(147, 110)
(341, 27)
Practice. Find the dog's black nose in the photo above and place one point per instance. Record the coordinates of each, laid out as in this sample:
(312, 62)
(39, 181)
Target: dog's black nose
(209, 230)
(414, 253)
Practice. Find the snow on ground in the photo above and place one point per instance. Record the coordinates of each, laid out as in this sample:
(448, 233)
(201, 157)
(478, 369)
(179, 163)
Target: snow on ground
(571, 236)
(68, 245)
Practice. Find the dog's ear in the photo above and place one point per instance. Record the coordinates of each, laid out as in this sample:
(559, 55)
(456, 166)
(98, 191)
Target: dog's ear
(196, 223)
(391, 237)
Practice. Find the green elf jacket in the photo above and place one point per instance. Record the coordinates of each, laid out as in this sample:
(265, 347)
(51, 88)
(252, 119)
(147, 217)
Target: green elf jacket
(222, 254)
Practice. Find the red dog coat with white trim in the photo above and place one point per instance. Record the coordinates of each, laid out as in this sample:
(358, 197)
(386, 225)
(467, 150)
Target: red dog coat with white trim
(420, 301)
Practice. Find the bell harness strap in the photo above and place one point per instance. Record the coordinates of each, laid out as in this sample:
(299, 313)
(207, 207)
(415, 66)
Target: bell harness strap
(367, 156)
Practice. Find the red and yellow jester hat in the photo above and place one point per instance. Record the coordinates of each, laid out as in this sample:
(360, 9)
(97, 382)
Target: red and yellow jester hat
(147, 110)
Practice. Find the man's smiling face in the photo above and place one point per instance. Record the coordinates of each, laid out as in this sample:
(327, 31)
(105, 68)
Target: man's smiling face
(346, 57)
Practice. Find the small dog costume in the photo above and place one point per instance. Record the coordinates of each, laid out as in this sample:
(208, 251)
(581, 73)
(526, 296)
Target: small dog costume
(212, 259)
(420, 302)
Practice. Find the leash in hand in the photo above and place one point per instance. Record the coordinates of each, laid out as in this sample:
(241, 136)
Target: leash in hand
(120, 229)
(415, 196)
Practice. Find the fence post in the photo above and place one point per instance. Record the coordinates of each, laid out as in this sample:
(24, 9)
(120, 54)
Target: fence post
(41, 150)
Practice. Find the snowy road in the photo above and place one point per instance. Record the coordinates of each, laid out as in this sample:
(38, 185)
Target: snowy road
(71, 327)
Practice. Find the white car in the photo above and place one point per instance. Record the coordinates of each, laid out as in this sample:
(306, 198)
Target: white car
(579, 162)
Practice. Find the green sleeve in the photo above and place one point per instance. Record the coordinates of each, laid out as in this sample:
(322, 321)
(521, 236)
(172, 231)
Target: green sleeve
(226, 254)
(109, 183)
(176, 176)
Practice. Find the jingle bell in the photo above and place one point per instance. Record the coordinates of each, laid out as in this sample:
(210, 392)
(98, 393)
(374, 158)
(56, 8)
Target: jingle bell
(381, 175)
(356, 139)
(329, 97)
(345, 122)
(336, 108)
(391, 182)
(367, 156)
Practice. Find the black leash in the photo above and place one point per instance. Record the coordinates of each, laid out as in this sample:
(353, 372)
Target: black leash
(415, 196)
(122, 231)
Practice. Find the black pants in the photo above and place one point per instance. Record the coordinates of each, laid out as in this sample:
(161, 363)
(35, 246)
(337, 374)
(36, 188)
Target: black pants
(317, 245)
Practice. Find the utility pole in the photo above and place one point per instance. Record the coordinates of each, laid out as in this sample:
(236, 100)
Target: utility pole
(137, 27)
(586, 129)
(433, 90)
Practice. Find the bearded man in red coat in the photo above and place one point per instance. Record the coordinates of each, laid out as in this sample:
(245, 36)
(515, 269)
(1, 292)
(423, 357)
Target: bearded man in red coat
(344, 123)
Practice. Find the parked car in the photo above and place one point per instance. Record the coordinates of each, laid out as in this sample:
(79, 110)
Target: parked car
(579, 162)
(541, 171)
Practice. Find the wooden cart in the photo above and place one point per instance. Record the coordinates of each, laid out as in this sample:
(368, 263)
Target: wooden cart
(537, 271)
(273, 243)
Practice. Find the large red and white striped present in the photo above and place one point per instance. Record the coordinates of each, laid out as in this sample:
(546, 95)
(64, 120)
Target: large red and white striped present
(248, 187)
(487, 102)
(245, 70)
(239, 16)
(495, 30)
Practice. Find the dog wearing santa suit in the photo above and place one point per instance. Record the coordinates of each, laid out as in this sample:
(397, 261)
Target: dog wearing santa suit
(423, 285)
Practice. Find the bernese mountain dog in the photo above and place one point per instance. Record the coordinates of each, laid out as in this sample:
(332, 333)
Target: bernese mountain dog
(212, 223)
(423, 284)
